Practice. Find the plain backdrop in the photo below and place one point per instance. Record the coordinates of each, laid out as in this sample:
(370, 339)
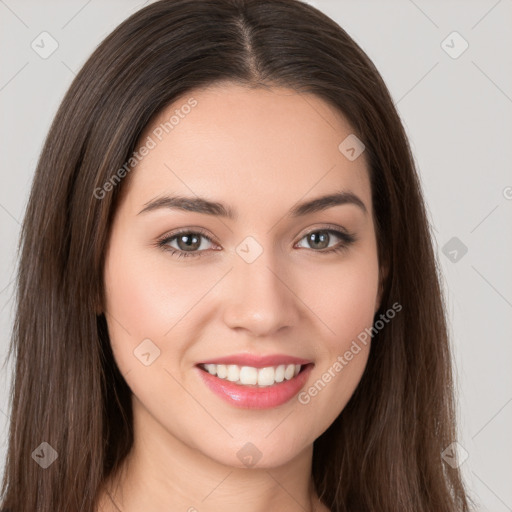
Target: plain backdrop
(448, 66)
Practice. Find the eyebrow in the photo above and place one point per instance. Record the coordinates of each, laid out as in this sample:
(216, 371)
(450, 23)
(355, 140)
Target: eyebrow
(207, 207)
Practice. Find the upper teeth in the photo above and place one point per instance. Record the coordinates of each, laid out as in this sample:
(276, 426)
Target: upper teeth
(250, 375)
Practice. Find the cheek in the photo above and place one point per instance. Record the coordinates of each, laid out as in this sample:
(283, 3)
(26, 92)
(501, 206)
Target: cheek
(332, 386)
(145, 295)
(139, 307)
(149, 297)
(343, 297)
(344, 301)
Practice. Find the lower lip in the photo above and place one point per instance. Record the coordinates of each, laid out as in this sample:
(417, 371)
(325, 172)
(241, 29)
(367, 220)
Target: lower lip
(252, 397)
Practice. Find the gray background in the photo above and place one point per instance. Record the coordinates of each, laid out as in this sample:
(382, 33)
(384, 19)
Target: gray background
(457, 113)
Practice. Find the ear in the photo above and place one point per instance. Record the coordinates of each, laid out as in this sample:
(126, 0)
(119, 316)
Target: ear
(98, 306)
(383, 275)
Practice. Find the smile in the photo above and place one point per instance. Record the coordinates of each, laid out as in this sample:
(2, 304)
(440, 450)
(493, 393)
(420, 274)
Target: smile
(249, 375)
(255, 388)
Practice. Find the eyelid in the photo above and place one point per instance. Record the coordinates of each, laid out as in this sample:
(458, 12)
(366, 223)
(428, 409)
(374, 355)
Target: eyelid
(209, 236)
(325, 227)
(192, 229)
(162, 240)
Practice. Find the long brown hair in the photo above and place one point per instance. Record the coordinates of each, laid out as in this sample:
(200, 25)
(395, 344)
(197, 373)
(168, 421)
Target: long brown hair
(383, 452)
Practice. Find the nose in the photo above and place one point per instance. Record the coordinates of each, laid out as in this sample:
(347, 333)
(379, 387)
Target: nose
(259, 297)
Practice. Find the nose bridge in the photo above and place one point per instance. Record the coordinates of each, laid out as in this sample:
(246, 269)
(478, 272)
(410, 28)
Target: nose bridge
(259, 298)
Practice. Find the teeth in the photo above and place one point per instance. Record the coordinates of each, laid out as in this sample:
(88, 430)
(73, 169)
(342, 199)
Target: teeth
(279, 373)
(266, 376)
(288, 373)
(248, 375)
(222, 371)
(233, 372)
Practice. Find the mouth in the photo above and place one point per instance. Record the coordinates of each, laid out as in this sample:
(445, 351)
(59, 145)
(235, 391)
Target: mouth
(250, 387)
(252, 376)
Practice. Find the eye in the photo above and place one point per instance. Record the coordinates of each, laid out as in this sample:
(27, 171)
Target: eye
(320, 239)
(187, 243)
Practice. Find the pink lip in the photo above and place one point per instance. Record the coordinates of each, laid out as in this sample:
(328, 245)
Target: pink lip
(254, 397)
(257, 361)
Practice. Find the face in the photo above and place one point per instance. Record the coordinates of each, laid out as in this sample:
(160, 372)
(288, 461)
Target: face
(268, 287)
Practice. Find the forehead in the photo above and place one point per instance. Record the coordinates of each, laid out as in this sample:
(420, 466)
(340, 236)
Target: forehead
(252, 148)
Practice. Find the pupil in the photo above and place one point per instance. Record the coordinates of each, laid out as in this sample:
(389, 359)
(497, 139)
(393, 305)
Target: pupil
(320, 237)
(190, 241)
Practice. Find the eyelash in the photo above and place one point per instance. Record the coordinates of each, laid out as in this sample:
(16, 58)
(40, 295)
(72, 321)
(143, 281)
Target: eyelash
(347, 240)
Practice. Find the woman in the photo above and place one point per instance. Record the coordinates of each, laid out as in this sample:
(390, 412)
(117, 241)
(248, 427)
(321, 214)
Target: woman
(227, 293)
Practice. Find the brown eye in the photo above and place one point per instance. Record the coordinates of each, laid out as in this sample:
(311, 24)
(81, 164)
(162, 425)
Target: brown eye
(185, 243)
(188, 242)
(321, 238)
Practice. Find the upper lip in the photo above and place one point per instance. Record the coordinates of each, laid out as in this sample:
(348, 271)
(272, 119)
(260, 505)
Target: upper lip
(257, 361)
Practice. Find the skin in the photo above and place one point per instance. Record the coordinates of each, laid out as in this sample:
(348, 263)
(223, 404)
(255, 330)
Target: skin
(259, 152)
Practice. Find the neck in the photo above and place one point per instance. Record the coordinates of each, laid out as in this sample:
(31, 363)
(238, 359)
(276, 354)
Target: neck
(164, 473)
